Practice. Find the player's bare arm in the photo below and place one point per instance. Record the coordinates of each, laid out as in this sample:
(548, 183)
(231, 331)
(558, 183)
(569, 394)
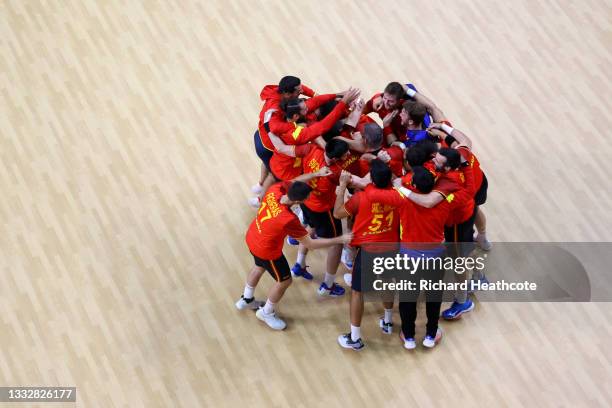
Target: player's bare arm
(339, 210)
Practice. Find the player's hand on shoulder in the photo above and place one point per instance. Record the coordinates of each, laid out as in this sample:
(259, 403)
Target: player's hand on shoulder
(345, 178)
(384, 156)
(324, 171)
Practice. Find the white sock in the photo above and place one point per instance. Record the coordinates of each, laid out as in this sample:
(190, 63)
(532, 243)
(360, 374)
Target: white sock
(301, 259)
(482, 236)
(355, 333)
(329, 279)
(248, 291)
(388, 315)
(268, 307)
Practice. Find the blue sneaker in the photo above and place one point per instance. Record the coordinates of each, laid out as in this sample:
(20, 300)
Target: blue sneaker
(292, 241)
(457, 309)
(297, 271)
(472, 284)
(335, 290)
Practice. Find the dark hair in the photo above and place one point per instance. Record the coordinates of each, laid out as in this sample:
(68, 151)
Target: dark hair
(298, 191)
(422, 179)
(335, 130)
(336, 148)
(327, 107)
(380, 173)
(396, 89)
(428, 146)
(288, 84)
(416, 156)
(453, 158)
(291, 107)
(415, 110)
(373, 135)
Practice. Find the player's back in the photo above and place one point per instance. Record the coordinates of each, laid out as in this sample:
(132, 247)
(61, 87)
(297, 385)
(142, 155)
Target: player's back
(274, 221)
(373, 221)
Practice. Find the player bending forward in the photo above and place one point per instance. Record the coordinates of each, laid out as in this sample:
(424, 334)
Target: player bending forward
(265, 238)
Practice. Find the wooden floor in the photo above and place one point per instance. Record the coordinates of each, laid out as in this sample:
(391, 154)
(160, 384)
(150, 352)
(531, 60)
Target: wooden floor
(126, 160)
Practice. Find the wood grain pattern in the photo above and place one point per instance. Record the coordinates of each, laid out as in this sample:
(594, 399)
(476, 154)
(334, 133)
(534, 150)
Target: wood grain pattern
(126, 159)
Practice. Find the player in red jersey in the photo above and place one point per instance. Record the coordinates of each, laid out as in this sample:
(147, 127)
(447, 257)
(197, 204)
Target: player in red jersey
(372, 222)
(293, 133)
(386, 104)
(318, 210)
(287, 88)
(265, 238)
(459, 229)
(286, 162)
(422, 235)
(456, 139)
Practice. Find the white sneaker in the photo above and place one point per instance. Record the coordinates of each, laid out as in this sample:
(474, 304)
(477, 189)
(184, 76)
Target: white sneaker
(257, 189)
(483, 243)
(409, 344)
(348, 279)
(271, 320)
(430, 342)
(252, 304)
(255, 202)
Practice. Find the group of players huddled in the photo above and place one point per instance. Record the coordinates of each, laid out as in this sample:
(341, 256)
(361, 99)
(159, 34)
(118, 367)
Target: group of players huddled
(324, 158)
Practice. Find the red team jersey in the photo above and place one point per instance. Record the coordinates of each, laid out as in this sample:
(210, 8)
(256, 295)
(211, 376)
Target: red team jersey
(298, 134)
(314, 103)
(271, 112)
(323, 193)
(417, 224)
(463, 207)
(474, 165)
(274, 221)
(372, 220)
(396, 126)
(287, 167)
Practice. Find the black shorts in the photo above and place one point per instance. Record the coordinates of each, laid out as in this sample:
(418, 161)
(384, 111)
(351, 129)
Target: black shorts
(481, 195)
(264, 154)
(278, 268)
(356, 272)
(462, 235)
(324, 223)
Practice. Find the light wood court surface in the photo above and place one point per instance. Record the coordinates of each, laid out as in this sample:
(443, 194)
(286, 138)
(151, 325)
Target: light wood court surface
(126, 161)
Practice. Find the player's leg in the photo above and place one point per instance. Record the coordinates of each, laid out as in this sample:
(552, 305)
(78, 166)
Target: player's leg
(266, 178)
(279, 269)
(329, 227)
(433, 333)
(299, 268)
(408, 315)
(247, 300)
(462, 245)
(481, 219)
(481, 228)
(352, 340)
(386, 320)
